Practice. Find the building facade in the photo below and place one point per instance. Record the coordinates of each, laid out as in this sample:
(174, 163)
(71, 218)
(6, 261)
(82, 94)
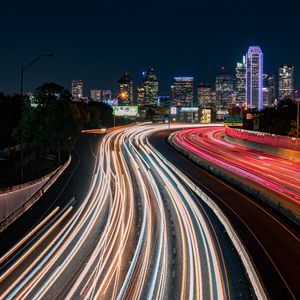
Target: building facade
(224, 91)
(77, 89)
(206, 96)
(285, 82)
(125, 90)
(240, 82)
(254, 78)
(106, 95)
(271, 85)
(140, 96)
(96, 95)
(183, 91)
(150, 85)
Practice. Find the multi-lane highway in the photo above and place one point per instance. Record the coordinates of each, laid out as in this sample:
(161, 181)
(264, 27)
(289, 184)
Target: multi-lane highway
(138, 232)
(276, 176)
(271, 240)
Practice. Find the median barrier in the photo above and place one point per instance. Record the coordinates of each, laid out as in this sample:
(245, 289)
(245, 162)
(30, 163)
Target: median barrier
(29, 193)
(241, 250)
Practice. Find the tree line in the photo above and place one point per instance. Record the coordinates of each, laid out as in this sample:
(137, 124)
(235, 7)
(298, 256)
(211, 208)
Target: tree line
(51, 121)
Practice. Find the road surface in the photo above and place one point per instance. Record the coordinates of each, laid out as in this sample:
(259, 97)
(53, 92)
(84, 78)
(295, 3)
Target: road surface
(137, 232)
(271, 240)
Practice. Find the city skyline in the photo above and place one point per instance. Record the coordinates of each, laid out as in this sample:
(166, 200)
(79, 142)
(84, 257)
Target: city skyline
(99, 63)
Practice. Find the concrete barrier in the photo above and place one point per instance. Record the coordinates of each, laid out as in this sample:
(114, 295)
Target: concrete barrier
(15, 200)
(264, 138)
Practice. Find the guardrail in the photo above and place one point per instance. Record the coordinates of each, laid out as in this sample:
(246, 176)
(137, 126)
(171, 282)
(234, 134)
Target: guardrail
(15, 200)
(241, 250)
(264, 138)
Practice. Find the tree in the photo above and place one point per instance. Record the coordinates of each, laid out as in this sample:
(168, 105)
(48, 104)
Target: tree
(49, 122)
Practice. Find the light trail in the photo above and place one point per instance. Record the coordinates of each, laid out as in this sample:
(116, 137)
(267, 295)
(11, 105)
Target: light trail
(125, 216)
(274, 173)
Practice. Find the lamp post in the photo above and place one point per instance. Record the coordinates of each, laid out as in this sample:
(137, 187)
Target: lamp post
(23, 70)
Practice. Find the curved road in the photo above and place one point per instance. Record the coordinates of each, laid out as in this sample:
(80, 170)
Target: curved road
(272, 242)
(138, 232)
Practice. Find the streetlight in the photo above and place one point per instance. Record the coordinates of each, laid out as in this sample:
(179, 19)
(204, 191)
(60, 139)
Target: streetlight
(23, 70)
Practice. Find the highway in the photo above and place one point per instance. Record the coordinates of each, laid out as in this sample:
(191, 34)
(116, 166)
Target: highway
(136, 232)
(271, 240)
(273, 175)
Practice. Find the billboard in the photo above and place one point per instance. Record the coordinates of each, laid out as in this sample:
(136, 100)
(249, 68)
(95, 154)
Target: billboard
(205, 116)
(125, 111)
(236, 120)
(173, 110)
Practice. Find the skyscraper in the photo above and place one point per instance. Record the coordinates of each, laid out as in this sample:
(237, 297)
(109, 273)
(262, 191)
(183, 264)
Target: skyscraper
(271, 85)
(96, 95)
(125, 90)
(77, 89)
(286, 81)
(206, 96)
(140, 96)
(182, 91)
(254, 77)
(240, 81)
(224, 91)
(150, 85)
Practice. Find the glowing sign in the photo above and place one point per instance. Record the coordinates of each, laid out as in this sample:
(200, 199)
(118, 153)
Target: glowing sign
(173, 110)
(125, 111)
(233, 121)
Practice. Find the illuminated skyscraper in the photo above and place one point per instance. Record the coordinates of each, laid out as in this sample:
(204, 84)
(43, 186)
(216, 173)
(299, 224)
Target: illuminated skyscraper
(254, 77)
(150, 85)
(206, 96)
(224, 91)
(182, 91)
(125, 90)
(240, 81)
(96, 94)
(140, 96)
(77, 89)
(286, 82)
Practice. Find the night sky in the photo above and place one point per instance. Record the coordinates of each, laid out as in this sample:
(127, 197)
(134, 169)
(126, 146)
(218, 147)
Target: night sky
(97, 41)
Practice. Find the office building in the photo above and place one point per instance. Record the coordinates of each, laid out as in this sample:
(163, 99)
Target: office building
(96, 95)
(150, 85)
(270, 83)
(224, 91)
(106, 95)
(182, 91)
(206, 96)
(140, 96)
(285, 82)
(125, 90)
(77, 89)
(254, 78)
(240, 82)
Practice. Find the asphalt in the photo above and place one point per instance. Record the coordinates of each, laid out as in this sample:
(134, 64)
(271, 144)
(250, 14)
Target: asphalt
(74, 182)
(272, 242)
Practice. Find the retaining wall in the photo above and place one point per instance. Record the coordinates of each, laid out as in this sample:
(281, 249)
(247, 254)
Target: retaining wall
(15, 200)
